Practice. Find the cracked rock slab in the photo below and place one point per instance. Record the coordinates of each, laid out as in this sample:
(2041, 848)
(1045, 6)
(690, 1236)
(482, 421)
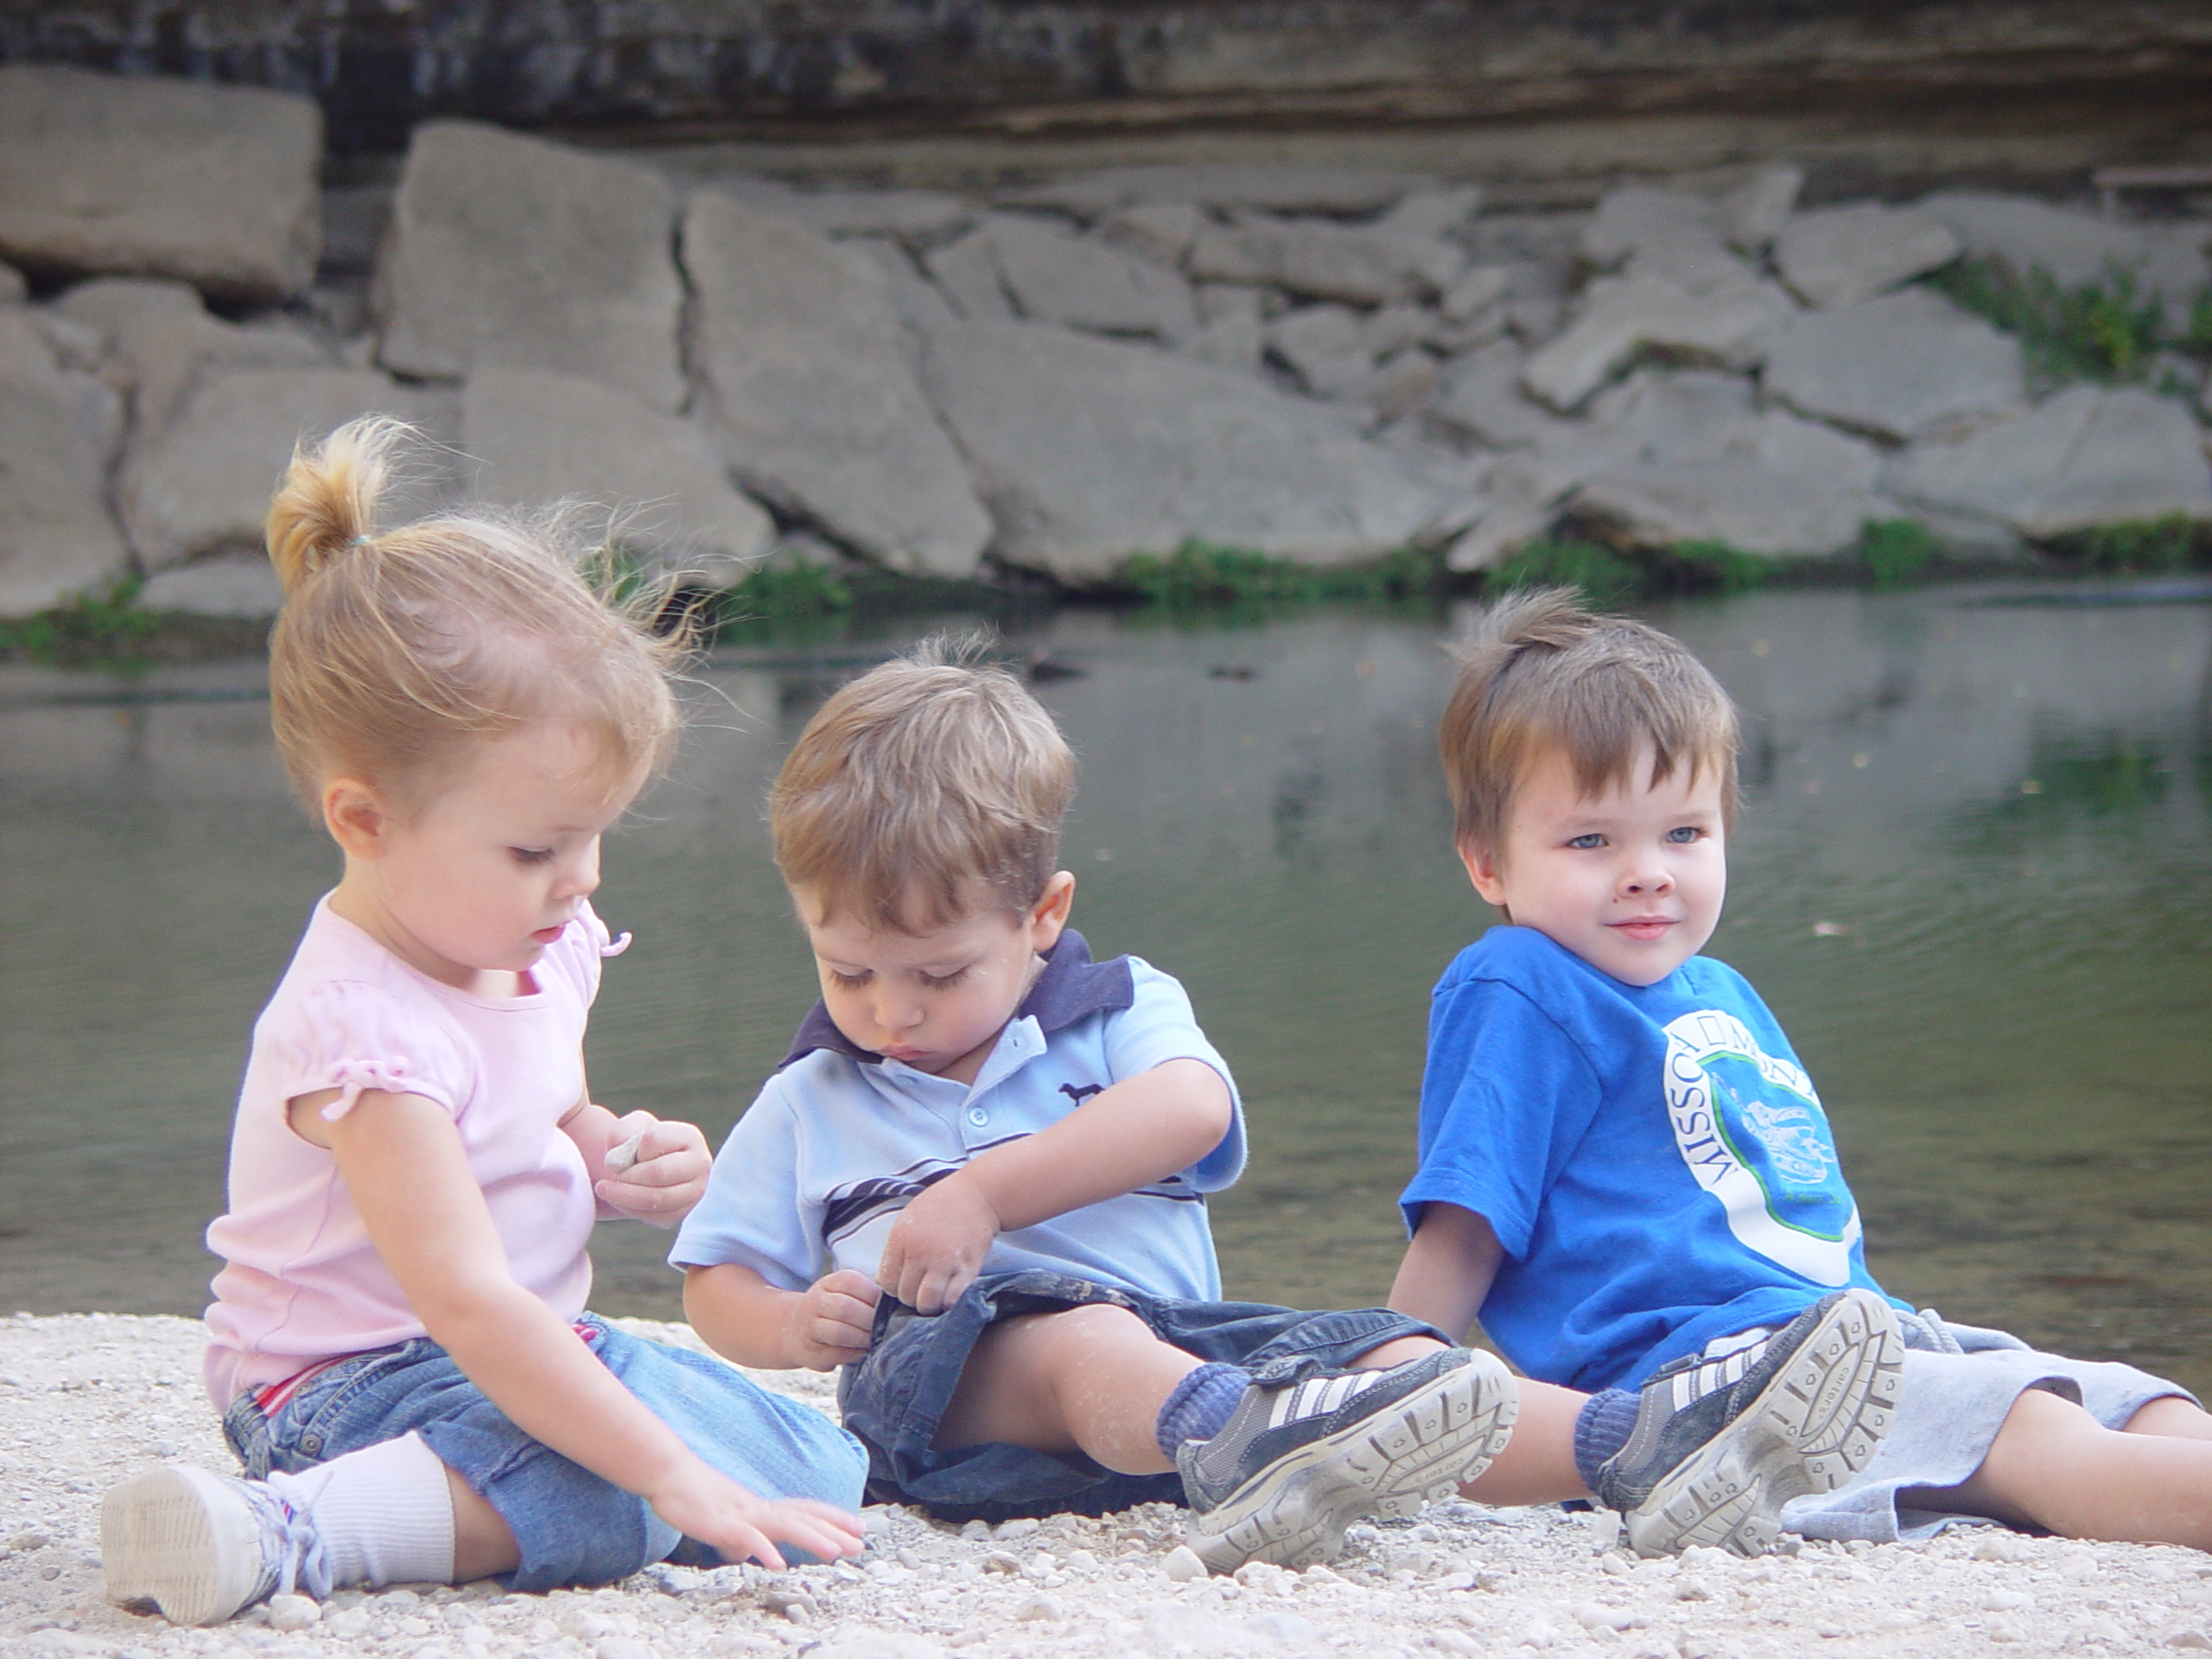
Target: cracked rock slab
(540, 437)
(56, 535)
(204, 487)
(1085, 283)
(1900, 366)
(214, 186)
(509, 252)
(1088, 451)
(808, 381)
(1624, 317)
(1839, 256)
(2087, 457)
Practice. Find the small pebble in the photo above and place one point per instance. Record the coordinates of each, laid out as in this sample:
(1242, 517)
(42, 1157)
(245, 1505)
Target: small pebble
(347, 1624)
(293, 1613)
(619, 1158)
(1183, 1565)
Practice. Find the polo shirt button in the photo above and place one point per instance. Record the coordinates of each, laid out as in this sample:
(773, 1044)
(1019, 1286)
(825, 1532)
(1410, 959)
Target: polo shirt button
(978, 1116)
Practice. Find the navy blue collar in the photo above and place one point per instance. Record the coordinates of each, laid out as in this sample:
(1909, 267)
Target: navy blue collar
(1069, 988)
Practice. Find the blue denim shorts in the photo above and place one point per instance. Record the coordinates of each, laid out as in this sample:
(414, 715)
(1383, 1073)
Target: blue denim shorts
(571, 1525)
(896, 1397)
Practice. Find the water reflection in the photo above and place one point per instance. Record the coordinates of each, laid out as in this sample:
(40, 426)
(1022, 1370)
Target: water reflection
(2001, 990)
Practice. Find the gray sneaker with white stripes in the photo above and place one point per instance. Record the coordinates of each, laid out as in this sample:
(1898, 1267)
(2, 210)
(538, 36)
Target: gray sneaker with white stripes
(1295, 1465)
(1722, 1441)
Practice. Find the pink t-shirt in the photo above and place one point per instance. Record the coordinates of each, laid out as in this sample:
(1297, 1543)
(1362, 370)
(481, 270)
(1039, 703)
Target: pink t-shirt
(304, 1283)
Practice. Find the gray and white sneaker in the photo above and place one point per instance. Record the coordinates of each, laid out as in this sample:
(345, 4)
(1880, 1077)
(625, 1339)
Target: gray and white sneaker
(1721, 1442)
(201, 1546)
(1298, 1462)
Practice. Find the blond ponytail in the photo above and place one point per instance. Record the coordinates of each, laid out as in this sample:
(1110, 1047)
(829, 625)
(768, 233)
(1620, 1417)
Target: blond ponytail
(393, 649)
(327, 501)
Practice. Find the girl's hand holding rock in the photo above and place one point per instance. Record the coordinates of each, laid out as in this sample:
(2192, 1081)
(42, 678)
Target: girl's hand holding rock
(656, 1170)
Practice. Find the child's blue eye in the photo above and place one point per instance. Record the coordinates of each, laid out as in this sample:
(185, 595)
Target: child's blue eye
(532, 855)
(1587, 843)
(1682, 835)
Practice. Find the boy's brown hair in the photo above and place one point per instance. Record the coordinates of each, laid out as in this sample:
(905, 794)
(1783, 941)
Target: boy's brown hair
(1540, 675)
(921, 776)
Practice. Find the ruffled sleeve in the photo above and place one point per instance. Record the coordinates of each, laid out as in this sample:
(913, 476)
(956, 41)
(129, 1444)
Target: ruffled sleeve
(350, 1037)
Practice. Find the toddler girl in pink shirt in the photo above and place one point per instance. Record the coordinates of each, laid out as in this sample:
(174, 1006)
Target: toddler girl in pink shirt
(399, 1344)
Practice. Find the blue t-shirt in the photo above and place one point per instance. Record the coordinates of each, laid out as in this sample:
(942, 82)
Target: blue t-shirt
(840, 1139)
(1653, 1160)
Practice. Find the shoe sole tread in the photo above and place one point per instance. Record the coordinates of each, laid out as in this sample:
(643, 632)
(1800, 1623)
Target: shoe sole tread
(163, 1541)
(1419, 1449)
(1818, 1423)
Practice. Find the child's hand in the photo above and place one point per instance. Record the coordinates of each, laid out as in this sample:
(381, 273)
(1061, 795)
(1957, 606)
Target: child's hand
(832, 1320)
(667, 1174)
(938, 1245)
(701, 1504)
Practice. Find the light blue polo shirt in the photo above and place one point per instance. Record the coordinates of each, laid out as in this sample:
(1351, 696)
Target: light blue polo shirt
(840, 1139)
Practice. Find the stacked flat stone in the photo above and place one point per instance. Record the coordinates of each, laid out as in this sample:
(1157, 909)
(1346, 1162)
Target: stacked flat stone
(1321, 364)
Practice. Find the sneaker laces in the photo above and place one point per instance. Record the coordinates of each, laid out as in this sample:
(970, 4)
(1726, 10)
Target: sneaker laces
(291, 1545)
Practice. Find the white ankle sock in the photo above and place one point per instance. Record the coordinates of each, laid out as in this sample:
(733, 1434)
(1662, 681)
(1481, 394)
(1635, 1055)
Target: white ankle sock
(385, 1513)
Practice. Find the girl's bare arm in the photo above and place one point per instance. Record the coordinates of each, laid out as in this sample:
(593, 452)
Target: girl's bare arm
(405, 1169)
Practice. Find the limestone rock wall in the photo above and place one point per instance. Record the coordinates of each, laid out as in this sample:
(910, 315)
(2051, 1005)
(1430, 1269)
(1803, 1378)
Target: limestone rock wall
(1322, 366)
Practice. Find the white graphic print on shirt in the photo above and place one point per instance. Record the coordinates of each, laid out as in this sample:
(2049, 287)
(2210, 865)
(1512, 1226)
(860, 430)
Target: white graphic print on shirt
(1750, 1129)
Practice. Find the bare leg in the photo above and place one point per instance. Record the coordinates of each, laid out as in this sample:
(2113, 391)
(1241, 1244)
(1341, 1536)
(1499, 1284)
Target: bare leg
(2056, 1466)
(481, 1543)
(1090, 1379)
(2172, 1416)
(1537, 1464)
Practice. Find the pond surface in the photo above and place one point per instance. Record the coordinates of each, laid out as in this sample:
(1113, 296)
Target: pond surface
(1974, 877)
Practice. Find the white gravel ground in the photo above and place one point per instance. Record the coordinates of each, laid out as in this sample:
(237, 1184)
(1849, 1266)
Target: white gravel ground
(87, 1399)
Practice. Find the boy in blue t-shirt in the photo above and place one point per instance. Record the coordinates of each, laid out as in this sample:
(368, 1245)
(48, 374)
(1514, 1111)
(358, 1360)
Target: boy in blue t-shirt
(978, 1184)
(1626, 1173)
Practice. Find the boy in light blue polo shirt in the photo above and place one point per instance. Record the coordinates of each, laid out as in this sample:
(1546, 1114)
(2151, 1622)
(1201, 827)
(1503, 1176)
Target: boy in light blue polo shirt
(978, 1182)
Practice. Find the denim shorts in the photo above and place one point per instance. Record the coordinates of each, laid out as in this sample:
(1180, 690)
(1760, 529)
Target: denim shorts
(571, 1525)
(1960, 1382)
(894, 1398)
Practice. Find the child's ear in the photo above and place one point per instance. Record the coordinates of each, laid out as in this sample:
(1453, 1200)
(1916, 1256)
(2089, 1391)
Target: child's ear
(356, 817)
(1049, 915)
(1484, 871)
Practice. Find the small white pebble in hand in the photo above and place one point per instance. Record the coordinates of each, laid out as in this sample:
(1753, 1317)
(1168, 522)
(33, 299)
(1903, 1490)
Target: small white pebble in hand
(619, 1159)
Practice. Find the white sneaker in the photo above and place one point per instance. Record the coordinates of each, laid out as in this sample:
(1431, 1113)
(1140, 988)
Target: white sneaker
(201, 1546)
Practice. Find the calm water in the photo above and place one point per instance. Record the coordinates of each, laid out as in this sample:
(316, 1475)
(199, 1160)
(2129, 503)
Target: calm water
(1973, 878)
